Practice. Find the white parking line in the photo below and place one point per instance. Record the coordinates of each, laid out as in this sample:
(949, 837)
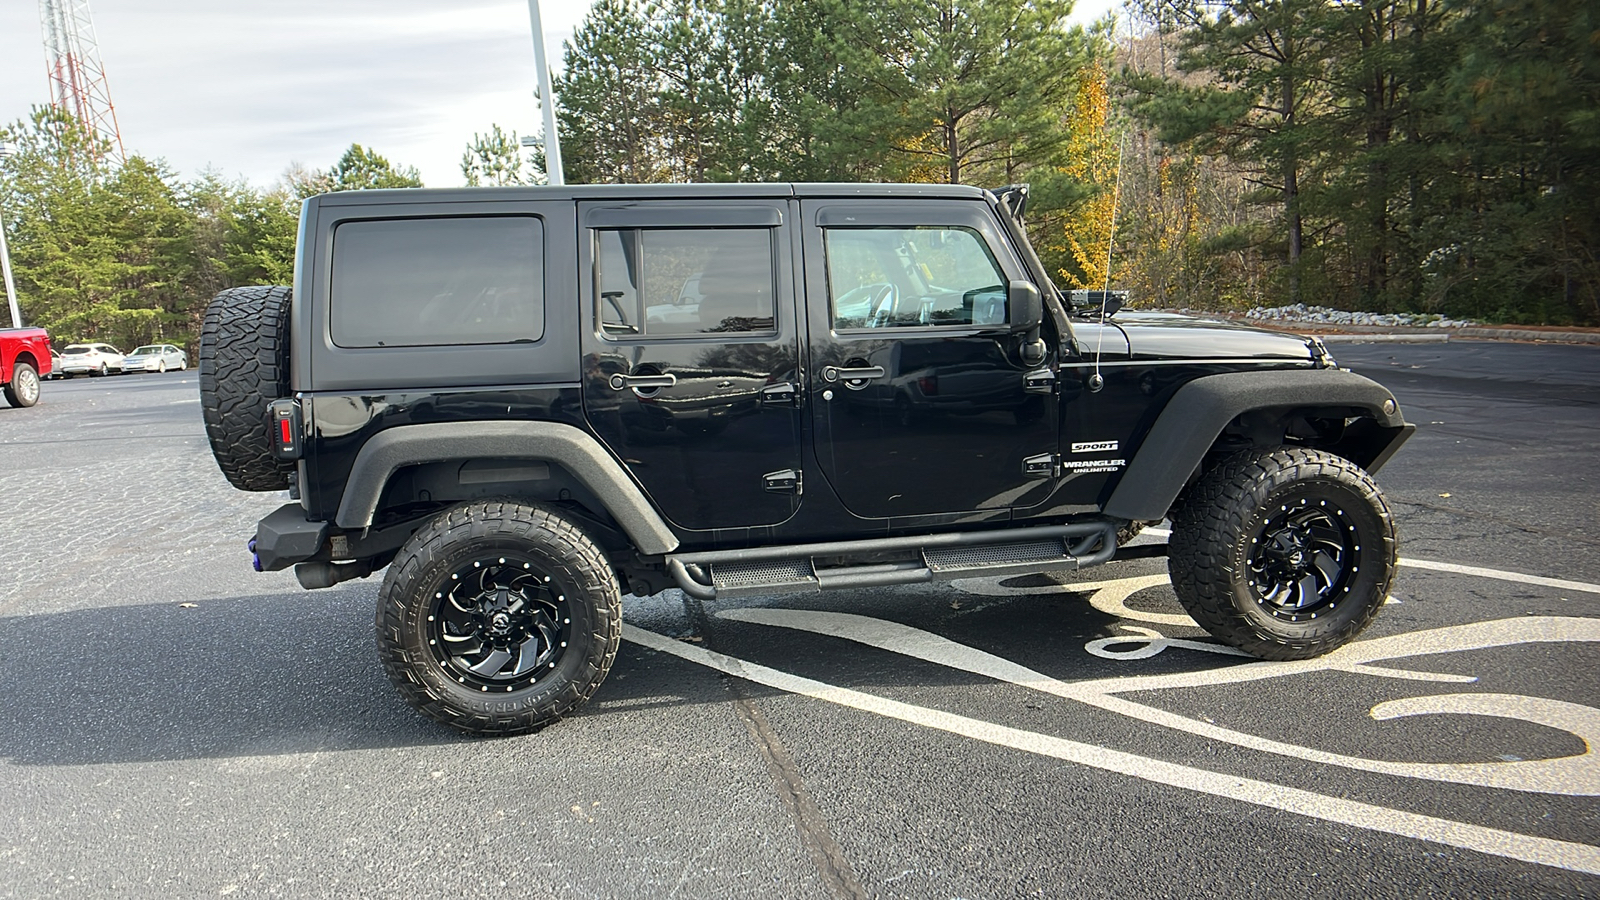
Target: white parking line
(1459, 569)
(1503, 576)
(1494, 841)
(1577, 775)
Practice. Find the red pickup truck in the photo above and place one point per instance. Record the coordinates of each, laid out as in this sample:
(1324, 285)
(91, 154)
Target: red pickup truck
(24, 356)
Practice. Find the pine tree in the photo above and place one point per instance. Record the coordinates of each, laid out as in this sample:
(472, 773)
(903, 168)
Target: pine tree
(497, 159)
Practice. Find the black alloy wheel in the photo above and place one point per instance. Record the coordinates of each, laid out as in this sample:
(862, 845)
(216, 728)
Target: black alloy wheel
(498, 623)
(498, 617)
(1285, 554)
(1303, 560)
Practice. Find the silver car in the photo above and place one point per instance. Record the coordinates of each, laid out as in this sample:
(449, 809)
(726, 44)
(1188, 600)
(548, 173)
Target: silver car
(155, 358)
(90, 359)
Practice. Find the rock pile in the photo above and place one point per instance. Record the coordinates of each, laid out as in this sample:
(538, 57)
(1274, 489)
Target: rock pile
(1300, 312)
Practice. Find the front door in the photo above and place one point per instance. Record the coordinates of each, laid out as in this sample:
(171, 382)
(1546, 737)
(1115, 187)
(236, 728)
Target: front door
(690, 349)
(919, 395)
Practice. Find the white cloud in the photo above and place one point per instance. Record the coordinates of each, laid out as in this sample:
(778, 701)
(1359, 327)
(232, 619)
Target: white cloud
(247, 87)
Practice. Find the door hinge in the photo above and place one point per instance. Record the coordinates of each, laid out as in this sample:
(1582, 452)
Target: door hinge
(784, 393)
(784, 481)
(1039, 381)
(1042, 466)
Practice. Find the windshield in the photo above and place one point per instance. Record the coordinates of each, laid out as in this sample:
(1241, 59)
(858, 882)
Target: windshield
(145, 351)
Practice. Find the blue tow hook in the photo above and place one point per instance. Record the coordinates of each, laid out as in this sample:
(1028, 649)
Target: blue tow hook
(255, 558)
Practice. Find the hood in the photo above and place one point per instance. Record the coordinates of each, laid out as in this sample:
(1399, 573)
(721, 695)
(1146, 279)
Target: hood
(1153, 335)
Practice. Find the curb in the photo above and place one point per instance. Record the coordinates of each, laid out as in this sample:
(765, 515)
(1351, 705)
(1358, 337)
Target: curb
(1382, 338)
(1357, 334)
(1522, 334)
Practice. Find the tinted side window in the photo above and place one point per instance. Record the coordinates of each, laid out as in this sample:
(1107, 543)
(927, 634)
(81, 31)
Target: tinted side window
(912, 277)
(664, 282)
(424, 282)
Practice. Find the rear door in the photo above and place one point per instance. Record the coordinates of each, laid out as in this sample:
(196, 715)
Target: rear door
(690, 346)
(919, 399)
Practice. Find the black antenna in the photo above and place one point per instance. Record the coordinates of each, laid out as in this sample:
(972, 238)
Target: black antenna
(1096, 381)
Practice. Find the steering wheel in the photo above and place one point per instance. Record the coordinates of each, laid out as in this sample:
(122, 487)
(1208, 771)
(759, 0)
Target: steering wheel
(882, 304)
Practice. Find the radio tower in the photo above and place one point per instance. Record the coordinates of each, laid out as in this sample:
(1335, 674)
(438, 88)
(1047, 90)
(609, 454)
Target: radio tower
(78, 85)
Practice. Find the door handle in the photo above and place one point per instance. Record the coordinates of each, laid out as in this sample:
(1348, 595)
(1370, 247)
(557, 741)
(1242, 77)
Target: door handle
(831, 374)
(642, 382)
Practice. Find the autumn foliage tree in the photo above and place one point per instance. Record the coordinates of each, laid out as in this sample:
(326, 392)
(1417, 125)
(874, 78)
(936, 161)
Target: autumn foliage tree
(1422, 155)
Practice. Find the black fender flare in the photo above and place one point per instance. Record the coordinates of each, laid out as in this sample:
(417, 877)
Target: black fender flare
(1199, 410)
(575, 450)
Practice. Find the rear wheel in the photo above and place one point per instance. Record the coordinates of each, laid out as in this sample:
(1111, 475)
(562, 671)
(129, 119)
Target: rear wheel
(23, 391)
(1286, 554)
(499, 618)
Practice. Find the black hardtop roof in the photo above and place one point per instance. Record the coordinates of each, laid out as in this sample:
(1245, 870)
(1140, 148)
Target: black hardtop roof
(651, 192)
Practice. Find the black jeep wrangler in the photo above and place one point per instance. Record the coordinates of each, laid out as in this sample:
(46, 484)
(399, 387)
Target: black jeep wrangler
(527, 401)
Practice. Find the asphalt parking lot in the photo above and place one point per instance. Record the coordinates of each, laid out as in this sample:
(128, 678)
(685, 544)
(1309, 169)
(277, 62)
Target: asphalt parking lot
(179, 726)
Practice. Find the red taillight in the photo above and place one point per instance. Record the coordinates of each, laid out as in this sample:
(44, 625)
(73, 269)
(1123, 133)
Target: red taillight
(286, 412)
(929, 385)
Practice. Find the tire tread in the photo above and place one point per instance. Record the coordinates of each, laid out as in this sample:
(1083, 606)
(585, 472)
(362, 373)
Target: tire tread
(244, 365)
(584, 565)
(1215, 512)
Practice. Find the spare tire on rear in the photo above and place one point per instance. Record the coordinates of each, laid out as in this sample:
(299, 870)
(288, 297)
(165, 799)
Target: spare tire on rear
(244, 365)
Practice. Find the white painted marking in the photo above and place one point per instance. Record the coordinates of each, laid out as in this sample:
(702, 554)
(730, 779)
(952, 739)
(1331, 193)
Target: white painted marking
(1459, 569)
(178, 402)
(1501, 575)
(1570, 775)
(1408, 674)
(1497, 842)
(1152, 642)
(1111, 598)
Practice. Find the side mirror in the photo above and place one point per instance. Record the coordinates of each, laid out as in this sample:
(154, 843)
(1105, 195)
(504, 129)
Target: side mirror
(1024, 306)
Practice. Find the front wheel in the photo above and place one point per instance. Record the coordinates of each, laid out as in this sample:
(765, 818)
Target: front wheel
(499, 618)
(1286, 554)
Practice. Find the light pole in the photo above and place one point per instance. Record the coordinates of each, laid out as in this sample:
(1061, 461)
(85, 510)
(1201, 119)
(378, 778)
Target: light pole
(5, 259)
(547, 101)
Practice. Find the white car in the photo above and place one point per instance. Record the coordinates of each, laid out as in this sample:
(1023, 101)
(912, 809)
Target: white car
(90, 359)
(155, 358)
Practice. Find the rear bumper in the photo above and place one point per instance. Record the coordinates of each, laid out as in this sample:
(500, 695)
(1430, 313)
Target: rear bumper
(285, 538)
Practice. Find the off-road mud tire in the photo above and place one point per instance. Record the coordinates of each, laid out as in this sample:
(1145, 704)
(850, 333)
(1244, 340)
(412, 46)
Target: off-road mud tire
(244, 365)
(491, 530)
(1229, 508)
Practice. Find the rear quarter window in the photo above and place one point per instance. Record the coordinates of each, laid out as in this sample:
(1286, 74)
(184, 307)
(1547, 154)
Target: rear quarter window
(438, 281)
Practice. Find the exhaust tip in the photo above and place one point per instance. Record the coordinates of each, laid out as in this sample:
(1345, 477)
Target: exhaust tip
(315, 575)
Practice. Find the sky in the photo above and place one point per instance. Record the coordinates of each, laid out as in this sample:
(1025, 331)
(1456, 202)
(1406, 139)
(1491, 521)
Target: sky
(249, 87)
